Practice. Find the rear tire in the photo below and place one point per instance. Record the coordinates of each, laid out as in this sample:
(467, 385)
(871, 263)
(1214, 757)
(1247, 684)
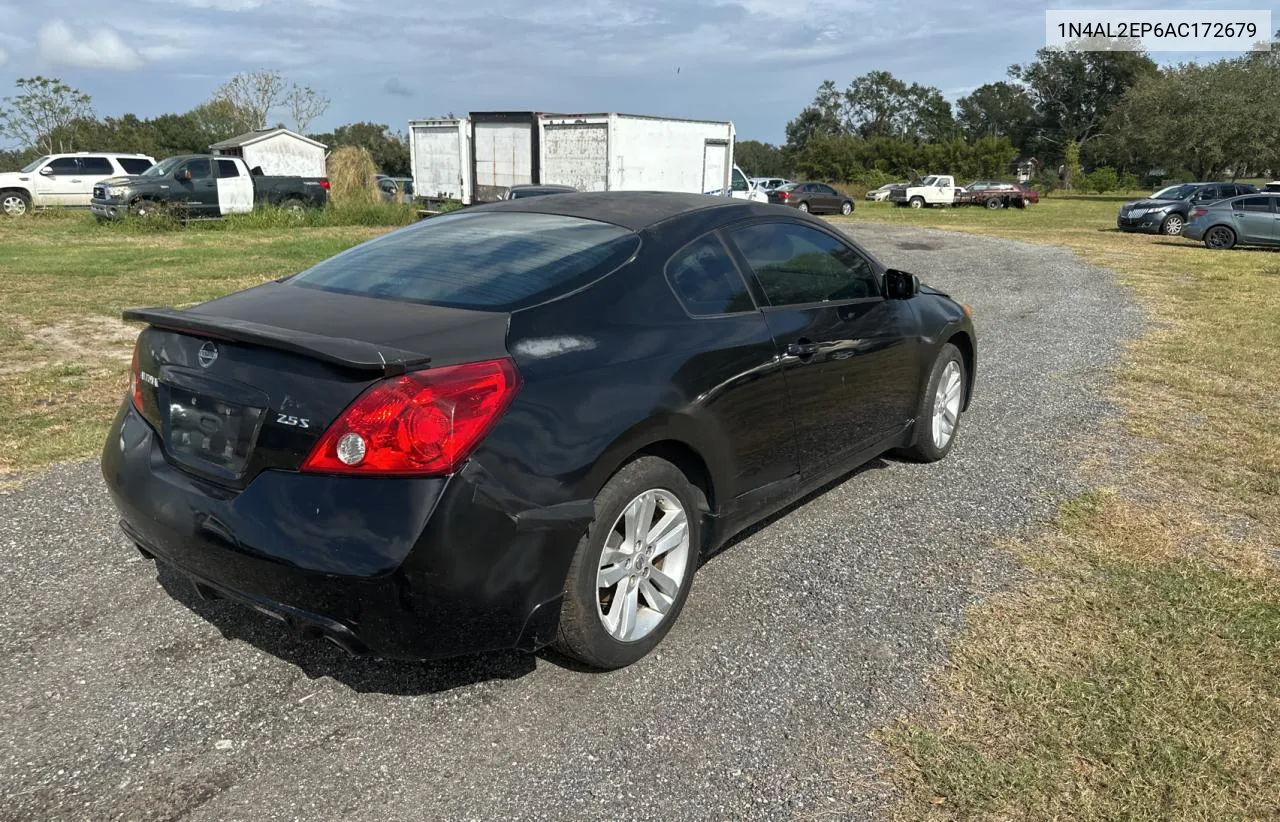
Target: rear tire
(804, 207)
(940, 408)
(294, 208)
(641, 571)
(993, 203)
(1219, 238)
(15, 203)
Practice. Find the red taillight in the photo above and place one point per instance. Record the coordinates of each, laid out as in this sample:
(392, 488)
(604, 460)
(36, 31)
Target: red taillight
(1199, 212)
(324, 184)
(135, 379)
(422, 423)
(786, 195)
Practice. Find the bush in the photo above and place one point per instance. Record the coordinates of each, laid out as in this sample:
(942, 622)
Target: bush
(1101, 180)
(1128, 181)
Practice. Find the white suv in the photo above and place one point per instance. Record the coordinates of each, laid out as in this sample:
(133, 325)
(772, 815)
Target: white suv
(64, 179)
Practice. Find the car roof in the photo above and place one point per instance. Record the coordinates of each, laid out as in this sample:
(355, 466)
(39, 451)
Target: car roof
(633, 210)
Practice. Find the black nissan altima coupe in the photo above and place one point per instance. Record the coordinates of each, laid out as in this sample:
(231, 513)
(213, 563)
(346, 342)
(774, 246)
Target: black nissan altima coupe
(524, 423)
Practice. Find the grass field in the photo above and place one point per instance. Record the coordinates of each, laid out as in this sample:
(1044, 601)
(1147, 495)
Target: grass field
(1136, 675)
(64, 353)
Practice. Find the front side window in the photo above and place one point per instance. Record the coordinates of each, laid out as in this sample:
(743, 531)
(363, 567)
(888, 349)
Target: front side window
(199, 169)
(739, 181)
(497, 261)
(64, 165)
(705, 279)
(796, 264)
(227, 169)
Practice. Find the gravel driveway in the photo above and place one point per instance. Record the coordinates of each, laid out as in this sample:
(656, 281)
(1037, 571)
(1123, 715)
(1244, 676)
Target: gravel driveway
(123, 699)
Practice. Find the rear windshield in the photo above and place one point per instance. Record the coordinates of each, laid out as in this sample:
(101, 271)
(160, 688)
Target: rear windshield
(497, 261)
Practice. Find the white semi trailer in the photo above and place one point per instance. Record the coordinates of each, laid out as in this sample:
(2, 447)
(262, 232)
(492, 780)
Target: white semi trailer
(477, 159)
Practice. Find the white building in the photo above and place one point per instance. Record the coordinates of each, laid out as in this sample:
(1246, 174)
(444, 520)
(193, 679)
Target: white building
(277, 151)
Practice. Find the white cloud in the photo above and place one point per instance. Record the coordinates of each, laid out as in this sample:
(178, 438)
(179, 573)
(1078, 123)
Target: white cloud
(100, 49)
(151, 53)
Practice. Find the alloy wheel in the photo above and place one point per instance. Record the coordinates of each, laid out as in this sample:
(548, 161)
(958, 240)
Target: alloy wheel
(13, 205)
(1173, 225)
(642, 564)
(946, 405)
(1219, 237)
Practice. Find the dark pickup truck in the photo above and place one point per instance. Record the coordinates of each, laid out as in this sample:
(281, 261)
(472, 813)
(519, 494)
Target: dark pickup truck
(202, 185)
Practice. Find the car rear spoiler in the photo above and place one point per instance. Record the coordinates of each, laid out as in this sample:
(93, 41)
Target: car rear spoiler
(354, 354)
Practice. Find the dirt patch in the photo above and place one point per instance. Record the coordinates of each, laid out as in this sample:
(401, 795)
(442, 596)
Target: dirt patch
(82, 341)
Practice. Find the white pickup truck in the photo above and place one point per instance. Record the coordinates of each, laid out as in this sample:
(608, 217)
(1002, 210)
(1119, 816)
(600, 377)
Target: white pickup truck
(934, 190)
(64, 179)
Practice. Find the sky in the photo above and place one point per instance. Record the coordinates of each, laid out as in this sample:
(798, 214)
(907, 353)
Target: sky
(755, 62)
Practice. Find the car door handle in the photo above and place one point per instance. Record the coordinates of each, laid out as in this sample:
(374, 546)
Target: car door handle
(803, 348)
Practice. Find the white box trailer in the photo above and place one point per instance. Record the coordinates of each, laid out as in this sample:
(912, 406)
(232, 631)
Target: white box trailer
(440, 159)
(475, 160)
(632, 152)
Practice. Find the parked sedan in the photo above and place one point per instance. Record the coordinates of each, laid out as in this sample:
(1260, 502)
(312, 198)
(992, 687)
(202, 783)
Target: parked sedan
(812, 197)
(1249, 220)
(769, 183)
(882, 193)
(461, 436)
(1166, 211)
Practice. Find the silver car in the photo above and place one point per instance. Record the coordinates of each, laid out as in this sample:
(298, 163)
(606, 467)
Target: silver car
(1253, 219)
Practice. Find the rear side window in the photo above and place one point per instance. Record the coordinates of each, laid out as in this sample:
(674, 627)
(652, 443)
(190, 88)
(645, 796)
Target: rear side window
(497, 261)
(96, 165)
(1253, 204)
(796, 264)
(227, 168)
(133, 165)
(705, 279)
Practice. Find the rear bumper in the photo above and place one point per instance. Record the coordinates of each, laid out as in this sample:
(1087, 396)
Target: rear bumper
(1194, 231)
(400, 568)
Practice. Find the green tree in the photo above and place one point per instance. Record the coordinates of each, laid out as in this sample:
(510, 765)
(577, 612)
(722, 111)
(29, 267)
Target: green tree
(1075, 92)
(44, 106)
(812, 122)
(221, 119)
(877, 104)
(759, 159)
(390, 149)
(998, 110)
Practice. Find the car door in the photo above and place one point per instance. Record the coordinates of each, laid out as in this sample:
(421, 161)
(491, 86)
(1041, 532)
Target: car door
(58, 181)
(235, 189)
(846, 350)
(1254, 219)
(831, 198)
(93, 170)
(199, 193)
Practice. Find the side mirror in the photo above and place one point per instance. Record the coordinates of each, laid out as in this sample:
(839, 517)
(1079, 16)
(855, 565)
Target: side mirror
(47, 171)
(900, 285)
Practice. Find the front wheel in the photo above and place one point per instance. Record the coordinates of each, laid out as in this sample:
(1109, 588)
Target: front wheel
(804, 207)
(994, 203)
(633, 569)
(846, 208)
(938, 417)
(917, 202)
(1172, 225)
(15, 203)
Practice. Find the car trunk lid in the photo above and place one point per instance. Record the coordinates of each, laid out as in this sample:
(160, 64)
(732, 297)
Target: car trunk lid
(251, 381)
